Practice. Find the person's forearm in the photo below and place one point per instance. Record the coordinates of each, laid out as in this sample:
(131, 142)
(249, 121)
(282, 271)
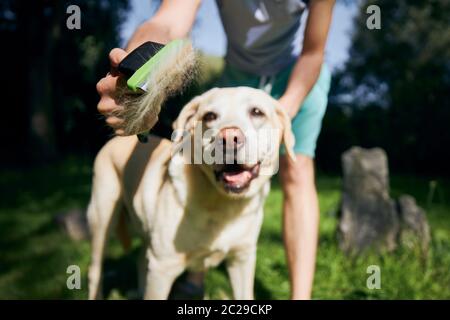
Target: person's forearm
(303, 77)
(149, 31)
(173, 20)
(307, 68)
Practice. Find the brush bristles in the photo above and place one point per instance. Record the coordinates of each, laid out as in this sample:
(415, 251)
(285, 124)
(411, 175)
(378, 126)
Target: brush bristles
(140, 110)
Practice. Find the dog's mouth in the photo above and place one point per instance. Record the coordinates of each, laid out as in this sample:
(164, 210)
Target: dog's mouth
(236, 177)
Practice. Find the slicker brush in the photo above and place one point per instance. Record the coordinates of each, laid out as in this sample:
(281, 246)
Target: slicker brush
(153, 72)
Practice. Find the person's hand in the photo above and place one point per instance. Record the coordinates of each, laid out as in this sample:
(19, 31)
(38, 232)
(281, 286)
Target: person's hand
(290, 104)
(106, 88)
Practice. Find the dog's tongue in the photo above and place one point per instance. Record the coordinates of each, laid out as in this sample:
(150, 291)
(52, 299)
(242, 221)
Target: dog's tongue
(238, 178)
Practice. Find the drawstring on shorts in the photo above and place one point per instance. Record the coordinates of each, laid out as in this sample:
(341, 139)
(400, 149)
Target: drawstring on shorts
(266, 83)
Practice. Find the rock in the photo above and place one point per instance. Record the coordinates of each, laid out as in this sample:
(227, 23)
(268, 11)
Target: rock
(414, 226)
(74, 223)
(365, 171)
(368, 216)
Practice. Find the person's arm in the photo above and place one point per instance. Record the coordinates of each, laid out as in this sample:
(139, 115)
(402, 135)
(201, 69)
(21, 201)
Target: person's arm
(307, 68)
(173, 20)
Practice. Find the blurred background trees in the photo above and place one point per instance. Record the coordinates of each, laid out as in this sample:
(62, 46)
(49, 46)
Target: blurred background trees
(49, 76)
(393, 92)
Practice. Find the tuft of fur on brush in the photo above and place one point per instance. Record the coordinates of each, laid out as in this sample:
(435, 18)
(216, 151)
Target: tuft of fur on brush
(140, 110)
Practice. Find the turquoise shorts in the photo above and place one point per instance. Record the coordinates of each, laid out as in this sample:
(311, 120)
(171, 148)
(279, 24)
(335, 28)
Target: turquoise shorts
(307, 124)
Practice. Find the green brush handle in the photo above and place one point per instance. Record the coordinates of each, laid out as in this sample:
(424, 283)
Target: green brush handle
(137, 65)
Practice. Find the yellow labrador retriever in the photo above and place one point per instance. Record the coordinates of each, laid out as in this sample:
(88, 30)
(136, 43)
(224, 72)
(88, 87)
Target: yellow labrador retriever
(198, 199)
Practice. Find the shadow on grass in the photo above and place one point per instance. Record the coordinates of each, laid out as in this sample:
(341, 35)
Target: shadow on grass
(120, 275)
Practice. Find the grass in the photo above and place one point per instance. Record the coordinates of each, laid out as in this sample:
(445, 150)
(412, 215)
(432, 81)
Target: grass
(34, 253)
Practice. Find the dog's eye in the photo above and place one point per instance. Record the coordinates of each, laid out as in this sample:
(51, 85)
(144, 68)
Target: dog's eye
(209, 116)
(256, 112)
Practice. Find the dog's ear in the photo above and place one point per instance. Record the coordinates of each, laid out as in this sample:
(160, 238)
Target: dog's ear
(287, 135)
(185, 122)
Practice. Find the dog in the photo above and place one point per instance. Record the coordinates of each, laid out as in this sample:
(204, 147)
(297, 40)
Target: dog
(192, 214)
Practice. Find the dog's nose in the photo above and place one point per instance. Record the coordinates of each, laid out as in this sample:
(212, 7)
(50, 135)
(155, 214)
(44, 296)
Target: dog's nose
(232, 138)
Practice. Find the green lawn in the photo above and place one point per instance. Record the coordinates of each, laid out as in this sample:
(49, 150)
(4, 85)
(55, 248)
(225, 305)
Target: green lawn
(34, 253)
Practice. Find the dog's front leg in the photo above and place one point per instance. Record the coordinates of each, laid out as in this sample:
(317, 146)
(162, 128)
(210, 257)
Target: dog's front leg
(160, 278)
(241, 270)
(159, 284)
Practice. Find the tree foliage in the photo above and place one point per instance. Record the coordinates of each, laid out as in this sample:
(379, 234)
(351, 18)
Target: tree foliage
(50, 75)
(394, 91)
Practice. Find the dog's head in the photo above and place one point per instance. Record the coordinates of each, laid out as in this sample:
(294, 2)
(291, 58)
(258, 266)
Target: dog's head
(234, 135)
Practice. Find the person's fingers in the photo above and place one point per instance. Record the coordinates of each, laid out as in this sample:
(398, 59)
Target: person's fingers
(114, 122)
(108, 105)
(120, 132)
(116, 56)
(107, 85)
